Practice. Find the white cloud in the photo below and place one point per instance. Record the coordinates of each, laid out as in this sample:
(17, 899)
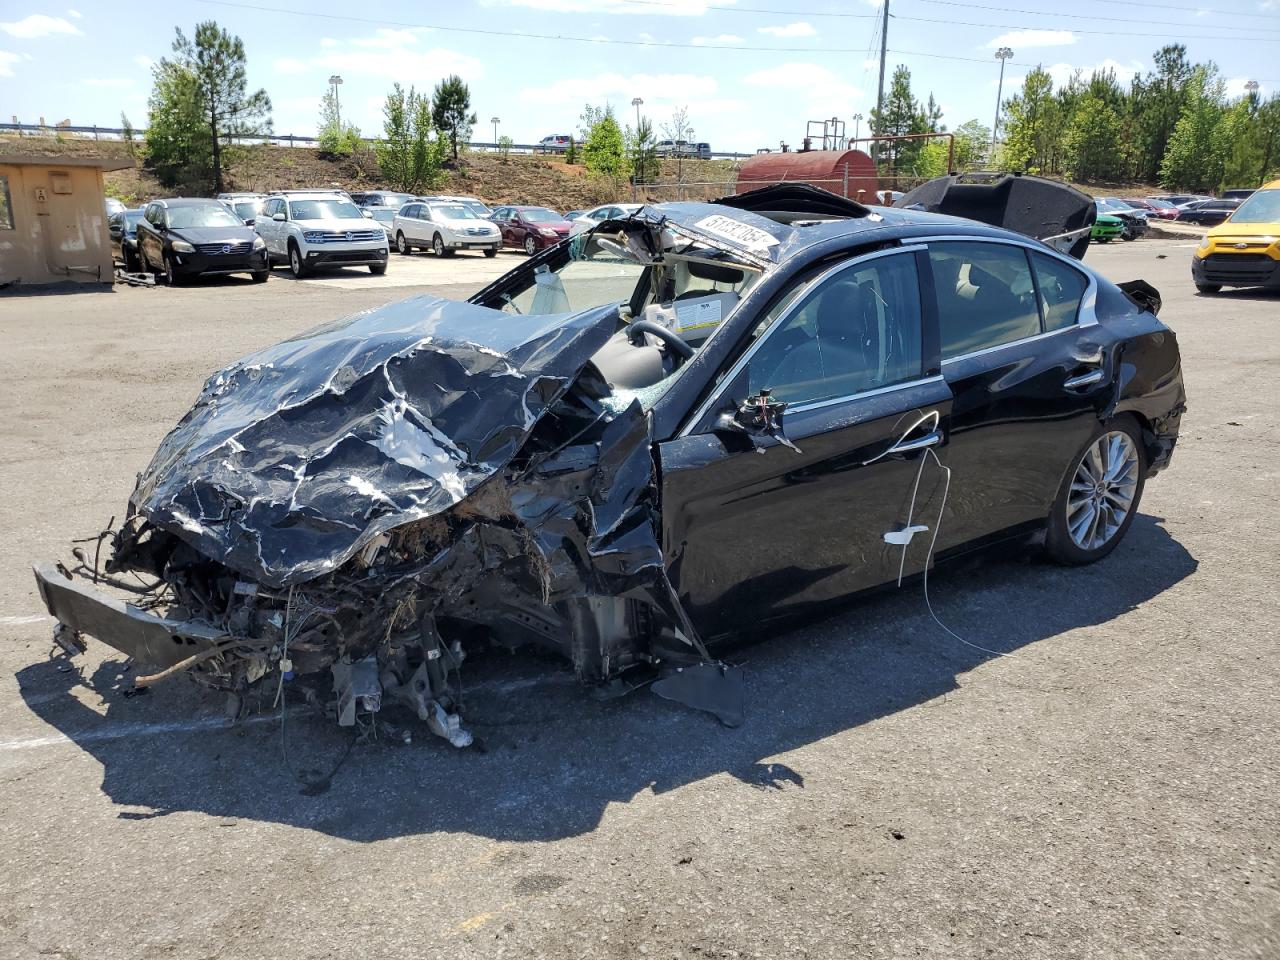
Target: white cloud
(656, 89)
(38, 25)
(289, 65)
(1062, 72)
(75, 14)
(386, 39)
(328, 42)
(674, 8)
(712, 41)
(7, 60)
(388, 53)
(1022, 39)
(1235, 87)
(113, 83)
(816, 90)
(798, 29)
(145, 62)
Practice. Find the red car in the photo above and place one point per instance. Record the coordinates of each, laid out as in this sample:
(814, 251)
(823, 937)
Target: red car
(1156, 208)
(530, 228)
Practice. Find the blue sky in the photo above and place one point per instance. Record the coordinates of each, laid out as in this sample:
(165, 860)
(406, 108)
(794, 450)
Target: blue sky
(812, 58)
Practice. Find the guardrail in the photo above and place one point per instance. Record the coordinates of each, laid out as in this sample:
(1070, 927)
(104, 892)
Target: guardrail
(278, 139)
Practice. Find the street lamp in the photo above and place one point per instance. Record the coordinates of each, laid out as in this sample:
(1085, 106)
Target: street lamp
(1003, 54)
(857, 124)
(495, 121)
(335, 81)
(1252, 87)
(637, 103)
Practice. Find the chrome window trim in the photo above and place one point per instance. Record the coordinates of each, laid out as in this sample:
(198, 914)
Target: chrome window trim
(905, 385)
(1007, 344)
(716, 394)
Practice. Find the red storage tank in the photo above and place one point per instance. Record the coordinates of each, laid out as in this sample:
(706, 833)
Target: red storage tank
(844, 172)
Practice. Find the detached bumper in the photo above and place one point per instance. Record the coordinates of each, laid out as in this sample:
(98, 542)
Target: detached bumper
(143, 636)
(204, 264)
(1236, 270)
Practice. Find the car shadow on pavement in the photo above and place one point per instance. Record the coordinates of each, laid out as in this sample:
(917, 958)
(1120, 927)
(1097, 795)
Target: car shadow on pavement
(553, 756)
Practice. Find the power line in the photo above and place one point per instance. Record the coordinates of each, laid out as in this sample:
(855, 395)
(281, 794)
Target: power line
(1086, 16)
(567, 38)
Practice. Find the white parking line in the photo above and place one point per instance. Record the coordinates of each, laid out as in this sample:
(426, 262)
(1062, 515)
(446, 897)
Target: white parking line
(21, 621)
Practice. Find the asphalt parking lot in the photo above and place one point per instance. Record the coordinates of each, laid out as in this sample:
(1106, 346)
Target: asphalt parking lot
(1108, 789)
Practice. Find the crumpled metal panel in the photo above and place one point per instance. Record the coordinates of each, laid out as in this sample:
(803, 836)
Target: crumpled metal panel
(295, 457)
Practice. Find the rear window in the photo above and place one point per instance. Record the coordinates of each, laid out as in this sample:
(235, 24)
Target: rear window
(985, 296)
(1061, 289)
(1262, 207)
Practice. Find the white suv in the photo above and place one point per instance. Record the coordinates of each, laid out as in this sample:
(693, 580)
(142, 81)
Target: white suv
(311, 231)
(443, 227)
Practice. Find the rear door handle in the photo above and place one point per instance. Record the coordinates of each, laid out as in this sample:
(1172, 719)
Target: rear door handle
(1083, 380)
(930, 439)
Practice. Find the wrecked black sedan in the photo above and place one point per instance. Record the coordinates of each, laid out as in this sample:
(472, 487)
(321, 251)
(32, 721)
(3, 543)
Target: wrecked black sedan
(693, 423)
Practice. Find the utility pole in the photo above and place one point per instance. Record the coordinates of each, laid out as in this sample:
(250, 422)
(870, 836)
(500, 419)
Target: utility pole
(884, 51)
(1003, 54)
(335, 81)
(495, 121)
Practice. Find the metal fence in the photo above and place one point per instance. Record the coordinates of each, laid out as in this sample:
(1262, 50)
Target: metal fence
(278, 139)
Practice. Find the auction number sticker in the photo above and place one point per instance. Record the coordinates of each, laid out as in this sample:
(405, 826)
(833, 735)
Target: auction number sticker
(753, 238)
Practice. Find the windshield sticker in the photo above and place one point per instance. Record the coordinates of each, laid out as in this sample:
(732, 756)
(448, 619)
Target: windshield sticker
(753, 238)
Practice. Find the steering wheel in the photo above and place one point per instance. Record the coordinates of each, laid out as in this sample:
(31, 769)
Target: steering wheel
(672, 339)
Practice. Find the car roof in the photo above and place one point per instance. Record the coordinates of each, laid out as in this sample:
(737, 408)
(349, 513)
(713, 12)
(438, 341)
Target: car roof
(188, 201)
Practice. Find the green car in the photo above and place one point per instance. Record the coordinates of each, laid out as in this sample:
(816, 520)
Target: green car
(1106, 227)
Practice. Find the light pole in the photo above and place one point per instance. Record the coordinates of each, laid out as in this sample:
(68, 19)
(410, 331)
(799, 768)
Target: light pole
(637, 103)
(1003, 54)
(495, 121)
(857, 124)
(335, 81)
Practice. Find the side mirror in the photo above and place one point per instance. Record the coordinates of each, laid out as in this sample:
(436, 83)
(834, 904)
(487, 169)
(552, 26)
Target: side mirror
(367, 214)
(278, 217)
(250, 222)
(758, 416)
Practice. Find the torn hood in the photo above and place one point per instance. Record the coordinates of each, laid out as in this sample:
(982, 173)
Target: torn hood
(295, 457)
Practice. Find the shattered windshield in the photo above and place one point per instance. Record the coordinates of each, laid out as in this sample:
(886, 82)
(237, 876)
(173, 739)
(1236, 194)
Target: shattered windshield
(672, 289)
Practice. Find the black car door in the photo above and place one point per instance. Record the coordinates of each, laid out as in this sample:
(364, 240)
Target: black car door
(1029, 369)
(149, 240)
(755, 529)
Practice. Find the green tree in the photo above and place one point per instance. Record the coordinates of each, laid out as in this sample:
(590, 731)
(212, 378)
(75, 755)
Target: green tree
(128, 134)
(644, 154)
(1030, 124)
(571, 151)
(1194, 158)
(679, 129)
(214, 61)
(602, 152)
(1156, 104)
(410, 154)
(900, 116)
(451, 111)
(972, 141)
(178, 147)
(1093, 140)
(336, 136)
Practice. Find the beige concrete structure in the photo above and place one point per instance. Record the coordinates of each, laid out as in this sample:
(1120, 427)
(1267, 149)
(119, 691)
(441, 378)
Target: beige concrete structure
(53, 223)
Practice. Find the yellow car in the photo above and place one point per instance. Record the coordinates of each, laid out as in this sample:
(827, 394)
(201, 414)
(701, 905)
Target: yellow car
(1244, 250)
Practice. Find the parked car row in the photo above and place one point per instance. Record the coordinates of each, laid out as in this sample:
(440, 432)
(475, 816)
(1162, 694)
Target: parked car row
(559, 143)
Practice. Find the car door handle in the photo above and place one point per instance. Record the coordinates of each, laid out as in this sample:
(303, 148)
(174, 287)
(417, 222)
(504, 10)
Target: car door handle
(930, 439)
(1083, 380)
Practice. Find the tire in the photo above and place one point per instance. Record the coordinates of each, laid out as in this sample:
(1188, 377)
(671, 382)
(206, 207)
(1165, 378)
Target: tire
(377, 269)
(1209, 287)
(438, 247)
(296, 264)
(403, 246)
(530, 246)
(1103, 486)
(490, 252)
(171, 277)
(131, 262)
(260, 276)
(1104, 239)
(143, 266)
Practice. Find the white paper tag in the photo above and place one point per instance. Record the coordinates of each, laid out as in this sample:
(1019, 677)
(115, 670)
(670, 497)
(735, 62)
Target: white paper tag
(903, 537)
(697, 314)
(753, 238)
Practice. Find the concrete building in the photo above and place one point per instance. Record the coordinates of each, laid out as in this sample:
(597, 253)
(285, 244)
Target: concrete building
(53, 223)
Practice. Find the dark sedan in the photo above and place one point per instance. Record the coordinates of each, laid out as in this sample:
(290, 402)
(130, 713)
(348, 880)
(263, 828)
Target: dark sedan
(1210, 213)
(123, 229)
(530, 228)
(701, 421)
(184, 238)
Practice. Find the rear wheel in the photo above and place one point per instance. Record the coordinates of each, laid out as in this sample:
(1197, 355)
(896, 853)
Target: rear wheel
(296, 265)
(402, 245)
(1099, 495)
(1208, 287)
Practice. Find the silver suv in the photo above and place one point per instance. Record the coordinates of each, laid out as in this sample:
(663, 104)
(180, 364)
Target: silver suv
(312, 231)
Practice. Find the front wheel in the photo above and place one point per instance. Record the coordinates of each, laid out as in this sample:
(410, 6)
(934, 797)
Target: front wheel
(402, 245)
(1104, 239)
(171, 276)
(491, 252)
(296, 265)
(1209, 287)
(1099, 495)
(377, 269)
(260, 276)
(530, 246)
